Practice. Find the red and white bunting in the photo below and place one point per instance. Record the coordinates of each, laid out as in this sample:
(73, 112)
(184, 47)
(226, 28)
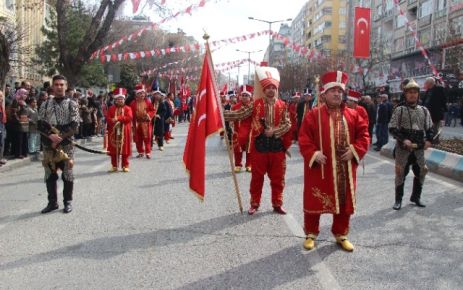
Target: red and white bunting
(152, 26)
(417, 40)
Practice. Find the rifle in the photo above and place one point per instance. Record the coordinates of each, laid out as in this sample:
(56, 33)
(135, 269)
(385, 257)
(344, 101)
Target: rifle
(45, 129)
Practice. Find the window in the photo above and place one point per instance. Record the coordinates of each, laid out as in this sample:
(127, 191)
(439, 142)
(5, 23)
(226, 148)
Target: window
(410, 42)
(425, 9)
(379, 10)
(342, 24)
(424, 36)
(342, 11)
(389, 5)
(458, 25)
(400, 21)
(441, 4)
(342, 39)
(9, 4)
(326, 38)
(399, 44)
(327, 11)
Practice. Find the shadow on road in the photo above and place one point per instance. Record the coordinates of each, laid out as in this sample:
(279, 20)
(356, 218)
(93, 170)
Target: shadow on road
(269, 272)
(108, 247)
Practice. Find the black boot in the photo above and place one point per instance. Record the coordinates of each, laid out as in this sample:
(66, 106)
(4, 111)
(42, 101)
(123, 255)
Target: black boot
(52, 194)
(67, 195)
(399, 193)
(416, 192)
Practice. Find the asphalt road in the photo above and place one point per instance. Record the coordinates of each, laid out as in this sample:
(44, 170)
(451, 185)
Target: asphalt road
(144, 229)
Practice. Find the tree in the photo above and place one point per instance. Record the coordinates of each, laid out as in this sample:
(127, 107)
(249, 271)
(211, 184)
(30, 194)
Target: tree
(11, 36)
(129, 76)
(48, 54)
(81, 30)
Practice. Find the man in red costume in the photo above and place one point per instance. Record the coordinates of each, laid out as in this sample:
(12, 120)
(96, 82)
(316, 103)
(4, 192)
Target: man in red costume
(119, 121)
(353, 98)
(270, 137)
(292, 108)
(242, 130)
(143, 111)
(330, 162)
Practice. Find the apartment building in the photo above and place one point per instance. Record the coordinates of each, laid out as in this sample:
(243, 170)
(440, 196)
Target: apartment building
(299, 26)
(327, 27)
(435, 21)
(30, 17)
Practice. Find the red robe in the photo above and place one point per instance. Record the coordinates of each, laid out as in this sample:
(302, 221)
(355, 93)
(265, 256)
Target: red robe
(292, 109)
(241, 138)
(322, 195)
(143, 112)
(258, 114)
(124, 116)
(241, 130)
(362, 112)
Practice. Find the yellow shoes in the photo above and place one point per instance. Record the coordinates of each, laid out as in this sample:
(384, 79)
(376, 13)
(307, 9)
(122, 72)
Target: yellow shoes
(237, 169)
(248, 169)
(113, 169)
(309, 242)
(125, 169)
(344, 243)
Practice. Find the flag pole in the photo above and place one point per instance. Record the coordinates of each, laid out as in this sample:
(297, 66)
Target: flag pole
(317, 81)
(230, 155)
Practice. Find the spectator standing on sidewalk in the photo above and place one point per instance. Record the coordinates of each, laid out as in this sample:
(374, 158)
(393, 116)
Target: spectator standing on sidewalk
(34, 136)
(435, 101)
(2, 127)
(382, 121)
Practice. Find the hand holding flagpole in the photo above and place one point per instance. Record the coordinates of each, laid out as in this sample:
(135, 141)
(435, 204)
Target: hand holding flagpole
(317, 82)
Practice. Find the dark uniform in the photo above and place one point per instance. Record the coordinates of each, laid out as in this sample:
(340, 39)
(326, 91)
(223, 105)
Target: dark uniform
(63, 116)
(410, 122)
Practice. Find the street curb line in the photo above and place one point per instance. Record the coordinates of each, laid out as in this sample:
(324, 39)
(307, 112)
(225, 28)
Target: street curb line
(11, 165)
(441, 162)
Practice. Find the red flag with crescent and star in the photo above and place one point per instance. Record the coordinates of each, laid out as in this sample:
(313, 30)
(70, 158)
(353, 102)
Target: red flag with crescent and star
(206, 120)
(362, 32)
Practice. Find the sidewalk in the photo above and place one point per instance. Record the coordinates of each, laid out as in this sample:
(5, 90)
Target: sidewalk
(17, 163)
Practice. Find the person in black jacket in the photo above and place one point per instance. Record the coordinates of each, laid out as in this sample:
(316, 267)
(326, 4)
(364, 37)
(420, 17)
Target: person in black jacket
(370, 107)
(382, 121)
(436, 102)
(160, 118)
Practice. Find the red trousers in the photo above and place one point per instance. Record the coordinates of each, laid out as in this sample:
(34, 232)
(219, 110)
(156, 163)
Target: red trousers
(238, 153)
(167, 136)
(125, 160)
(274, 164)
(340, 226)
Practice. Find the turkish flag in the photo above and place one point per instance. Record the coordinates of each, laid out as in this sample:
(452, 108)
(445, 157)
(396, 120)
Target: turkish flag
(206, 120)
(362, 32)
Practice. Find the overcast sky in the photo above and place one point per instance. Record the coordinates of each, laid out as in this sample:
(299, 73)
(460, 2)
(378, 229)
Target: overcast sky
(228, 18)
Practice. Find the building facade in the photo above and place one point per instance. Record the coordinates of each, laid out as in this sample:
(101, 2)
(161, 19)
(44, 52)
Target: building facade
(436, 23)
(327, 27)
(30, 18)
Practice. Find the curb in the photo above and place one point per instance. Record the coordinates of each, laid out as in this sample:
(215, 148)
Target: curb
(441, 162)
(15, 164)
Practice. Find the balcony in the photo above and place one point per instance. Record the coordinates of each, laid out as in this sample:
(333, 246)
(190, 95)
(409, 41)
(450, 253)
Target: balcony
(410, 2)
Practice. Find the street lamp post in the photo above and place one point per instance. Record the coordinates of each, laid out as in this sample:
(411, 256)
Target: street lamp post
(249, 61)
(270, 47)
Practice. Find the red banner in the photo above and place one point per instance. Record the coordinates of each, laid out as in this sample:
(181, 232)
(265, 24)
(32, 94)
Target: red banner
(206, 121)
(362, 32)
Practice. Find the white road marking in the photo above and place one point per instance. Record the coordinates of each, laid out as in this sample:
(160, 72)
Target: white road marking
(322, 272)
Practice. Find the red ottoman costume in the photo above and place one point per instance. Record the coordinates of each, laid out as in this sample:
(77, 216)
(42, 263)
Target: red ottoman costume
(267, 113)
(341, 129)
(119, 119)
(143, 111)
(242, 131)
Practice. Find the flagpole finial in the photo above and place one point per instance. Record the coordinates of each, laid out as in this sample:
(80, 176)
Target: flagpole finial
(206, 36)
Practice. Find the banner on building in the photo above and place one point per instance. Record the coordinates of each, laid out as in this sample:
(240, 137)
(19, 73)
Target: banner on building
(362, 25)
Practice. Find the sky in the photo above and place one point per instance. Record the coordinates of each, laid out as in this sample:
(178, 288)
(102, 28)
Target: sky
(227, 18)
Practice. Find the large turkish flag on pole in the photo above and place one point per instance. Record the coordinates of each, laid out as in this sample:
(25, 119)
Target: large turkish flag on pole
(362, 32)
(206, 120)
